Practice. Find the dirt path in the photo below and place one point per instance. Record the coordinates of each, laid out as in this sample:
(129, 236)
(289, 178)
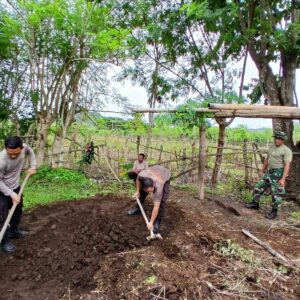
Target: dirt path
(91, 249)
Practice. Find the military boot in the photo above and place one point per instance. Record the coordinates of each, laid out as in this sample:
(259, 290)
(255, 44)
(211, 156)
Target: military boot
(273, 213)
(252, 205)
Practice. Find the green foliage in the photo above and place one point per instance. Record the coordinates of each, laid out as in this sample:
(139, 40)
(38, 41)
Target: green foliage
(50, 185)
(117, 188)
(151, 279)
(232, 249)
(187, 117)
(295, 215)
(6, 129)
(136, 125)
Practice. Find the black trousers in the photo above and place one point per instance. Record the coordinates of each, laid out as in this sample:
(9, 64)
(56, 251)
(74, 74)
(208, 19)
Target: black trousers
(5, 205)
(163, 204)
(132, 175)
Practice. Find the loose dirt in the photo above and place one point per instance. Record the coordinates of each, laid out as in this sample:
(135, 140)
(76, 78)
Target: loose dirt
(91, 249)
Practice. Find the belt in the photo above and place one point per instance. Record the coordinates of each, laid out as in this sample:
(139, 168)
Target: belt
(273, 170)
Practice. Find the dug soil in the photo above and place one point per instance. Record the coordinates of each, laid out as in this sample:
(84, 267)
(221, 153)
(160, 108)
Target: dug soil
(91, 249)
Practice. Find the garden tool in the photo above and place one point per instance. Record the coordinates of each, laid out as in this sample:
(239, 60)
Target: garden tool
(12, 210)
(152, 234)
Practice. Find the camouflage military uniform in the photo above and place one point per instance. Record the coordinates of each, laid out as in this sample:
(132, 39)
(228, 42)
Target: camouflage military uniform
(270, 180)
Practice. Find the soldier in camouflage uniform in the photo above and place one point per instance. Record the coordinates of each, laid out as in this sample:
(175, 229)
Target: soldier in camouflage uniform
(273, 174)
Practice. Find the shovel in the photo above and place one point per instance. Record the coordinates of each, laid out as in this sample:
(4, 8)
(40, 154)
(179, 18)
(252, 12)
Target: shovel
(152, 234)
(12, 210)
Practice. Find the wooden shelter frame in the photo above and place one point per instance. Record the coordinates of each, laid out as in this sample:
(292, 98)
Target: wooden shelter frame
(228, 111)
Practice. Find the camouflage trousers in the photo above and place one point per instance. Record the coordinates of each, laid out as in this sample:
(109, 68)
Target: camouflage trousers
(270, 180)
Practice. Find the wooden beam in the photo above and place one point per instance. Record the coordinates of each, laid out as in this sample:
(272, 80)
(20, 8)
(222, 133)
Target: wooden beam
(264, 108)
(220, 113)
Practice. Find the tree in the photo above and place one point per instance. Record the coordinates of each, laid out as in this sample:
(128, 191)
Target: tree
(186, 115)
(270, 31)
(149, 68)
(58, 39)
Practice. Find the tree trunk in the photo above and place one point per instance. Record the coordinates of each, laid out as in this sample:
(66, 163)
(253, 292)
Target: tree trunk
(44, 122)
(58, 148)
(149, 132)
(201, 163)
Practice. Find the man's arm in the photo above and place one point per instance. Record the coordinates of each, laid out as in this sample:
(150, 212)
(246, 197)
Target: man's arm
(286, 170)
(137, 187)
(154, 214)
(134, 166)
(3, 187)
(264, 167)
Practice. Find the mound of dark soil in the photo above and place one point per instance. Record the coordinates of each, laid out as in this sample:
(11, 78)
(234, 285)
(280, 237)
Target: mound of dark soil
(66, 244)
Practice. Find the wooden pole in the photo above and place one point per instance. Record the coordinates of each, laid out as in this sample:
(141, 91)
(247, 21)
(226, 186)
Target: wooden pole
(103, 155)
(201, 162)
(138, 142)
(255, 158)
(161, 150)
(246, 162)
(244, 113)
(266, 246)
(271, 108)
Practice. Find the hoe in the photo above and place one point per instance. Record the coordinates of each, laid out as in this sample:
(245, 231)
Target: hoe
(12, 210)
(152, 235)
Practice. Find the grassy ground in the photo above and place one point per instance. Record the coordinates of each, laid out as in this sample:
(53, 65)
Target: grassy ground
(50, 185)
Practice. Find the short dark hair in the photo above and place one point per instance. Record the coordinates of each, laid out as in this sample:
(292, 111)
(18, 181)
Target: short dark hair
(13, 142)
(142, 154)
(146, 182)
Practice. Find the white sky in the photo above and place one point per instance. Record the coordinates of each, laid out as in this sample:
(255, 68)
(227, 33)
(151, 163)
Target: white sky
(138, 97)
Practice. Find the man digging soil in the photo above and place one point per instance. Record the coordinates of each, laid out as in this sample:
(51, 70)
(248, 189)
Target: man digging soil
(154, 180)
(11, 164)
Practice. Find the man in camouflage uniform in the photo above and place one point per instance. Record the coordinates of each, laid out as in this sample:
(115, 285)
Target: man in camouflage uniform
(273, 174)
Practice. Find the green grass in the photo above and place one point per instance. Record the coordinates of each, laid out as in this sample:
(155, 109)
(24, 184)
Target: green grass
(232, 249)
(295, 215)
(51, 185)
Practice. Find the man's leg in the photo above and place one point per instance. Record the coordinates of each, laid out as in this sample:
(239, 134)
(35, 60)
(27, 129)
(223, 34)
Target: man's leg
(259, 189)
(14, 231)
(162, 207)
(5, 204)
(136, 210)
(132, 175)
(277, 192)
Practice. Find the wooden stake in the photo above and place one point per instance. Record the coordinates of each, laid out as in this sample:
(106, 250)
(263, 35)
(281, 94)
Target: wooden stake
(265, 245)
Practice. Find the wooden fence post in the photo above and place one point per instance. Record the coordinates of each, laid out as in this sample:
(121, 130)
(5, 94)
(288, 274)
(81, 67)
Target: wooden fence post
(201, 162)
(246, 162)
(254, 146)
(138, 143)
(161, 150)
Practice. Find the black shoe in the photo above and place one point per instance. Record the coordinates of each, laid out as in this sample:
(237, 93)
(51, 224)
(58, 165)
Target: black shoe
(8, 247)
(272, 214)
(14, 233)
(134, 211)
(252, 205)
(156, 226)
